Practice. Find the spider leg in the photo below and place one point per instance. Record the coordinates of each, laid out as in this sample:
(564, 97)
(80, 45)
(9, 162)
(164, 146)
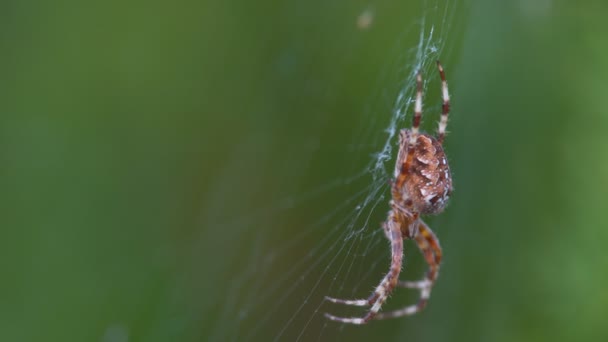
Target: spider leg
(428, 243)
(386, 286)
(429, 246)
(405, 167)
(443, 123)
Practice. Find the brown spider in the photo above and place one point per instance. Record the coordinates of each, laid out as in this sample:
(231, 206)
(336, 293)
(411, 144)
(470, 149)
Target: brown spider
(422, 185)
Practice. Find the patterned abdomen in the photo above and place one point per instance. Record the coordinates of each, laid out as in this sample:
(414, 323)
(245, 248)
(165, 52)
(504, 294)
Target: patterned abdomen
(429, 184)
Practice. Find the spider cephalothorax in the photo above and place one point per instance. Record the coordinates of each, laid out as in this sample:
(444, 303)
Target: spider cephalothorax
(422, 185)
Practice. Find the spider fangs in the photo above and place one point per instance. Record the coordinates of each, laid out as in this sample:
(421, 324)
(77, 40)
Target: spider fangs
(422, 185)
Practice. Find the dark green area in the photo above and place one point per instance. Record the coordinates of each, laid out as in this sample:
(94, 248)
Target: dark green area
(154, 157)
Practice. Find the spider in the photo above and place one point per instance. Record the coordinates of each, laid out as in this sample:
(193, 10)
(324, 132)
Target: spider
(422, 185)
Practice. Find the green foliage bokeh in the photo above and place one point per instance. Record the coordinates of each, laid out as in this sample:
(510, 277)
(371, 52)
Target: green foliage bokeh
(130, 131)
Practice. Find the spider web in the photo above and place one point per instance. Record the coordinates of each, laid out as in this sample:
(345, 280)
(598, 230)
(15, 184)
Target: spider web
(280, 274)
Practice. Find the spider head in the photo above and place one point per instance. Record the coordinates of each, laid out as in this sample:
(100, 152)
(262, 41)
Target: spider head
(428, 182)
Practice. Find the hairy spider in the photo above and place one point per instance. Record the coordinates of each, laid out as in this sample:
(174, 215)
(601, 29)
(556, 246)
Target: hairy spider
(422, 185)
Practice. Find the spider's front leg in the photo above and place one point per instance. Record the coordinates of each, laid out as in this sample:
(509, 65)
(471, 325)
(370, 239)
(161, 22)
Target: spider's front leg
(388, 283)
(429, 246)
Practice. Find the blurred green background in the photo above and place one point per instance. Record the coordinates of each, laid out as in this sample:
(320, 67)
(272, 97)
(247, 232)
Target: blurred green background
(164, 165)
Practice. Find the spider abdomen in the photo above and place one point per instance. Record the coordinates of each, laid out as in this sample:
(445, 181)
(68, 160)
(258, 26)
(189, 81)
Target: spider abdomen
(429, 181)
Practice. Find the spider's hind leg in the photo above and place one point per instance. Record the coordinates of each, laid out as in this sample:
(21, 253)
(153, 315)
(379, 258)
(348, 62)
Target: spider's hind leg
(386, 286)
(429, 246)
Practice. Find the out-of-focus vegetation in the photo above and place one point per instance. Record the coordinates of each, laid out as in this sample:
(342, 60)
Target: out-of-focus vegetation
(132, 132)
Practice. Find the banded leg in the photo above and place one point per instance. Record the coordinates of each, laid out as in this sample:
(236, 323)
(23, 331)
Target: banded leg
(413, 136)
(428, 243)
(386, 285)
(445, 110)
(429, 246)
